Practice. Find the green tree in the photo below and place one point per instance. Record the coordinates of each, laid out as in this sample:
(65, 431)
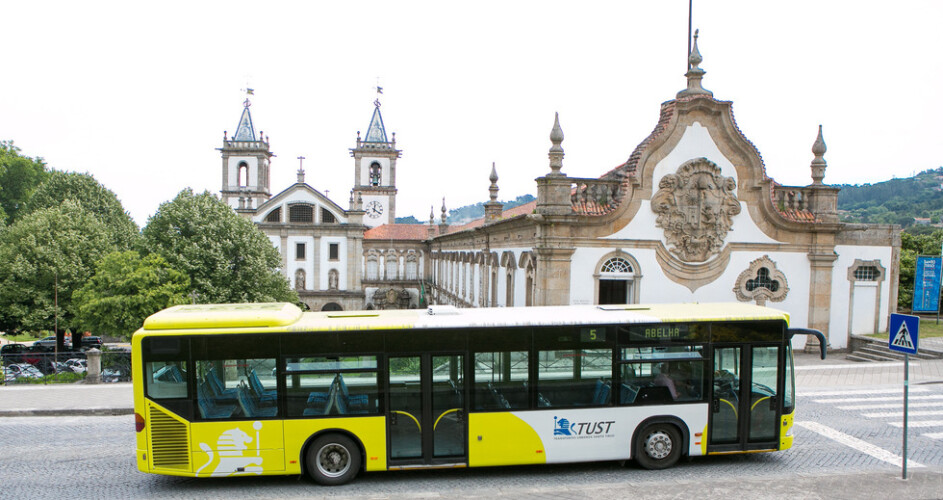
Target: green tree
(19, 177)
(43, 259)
(227, 258)
(98, 200)
(125, 290)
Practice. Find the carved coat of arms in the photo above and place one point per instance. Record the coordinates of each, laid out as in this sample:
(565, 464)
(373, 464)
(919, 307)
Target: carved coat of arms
(695, 207)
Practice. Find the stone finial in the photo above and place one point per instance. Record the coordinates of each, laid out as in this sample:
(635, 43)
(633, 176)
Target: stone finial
(443, 216)
(695, 73)
(818, 163)
(301, 170)
(431, 215)
(556, 151)
(494, 207)
(494, 183)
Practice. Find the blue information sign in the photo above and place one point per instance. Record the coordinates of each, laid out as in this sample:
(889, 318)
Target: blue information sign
(927, 284)
(903, 333)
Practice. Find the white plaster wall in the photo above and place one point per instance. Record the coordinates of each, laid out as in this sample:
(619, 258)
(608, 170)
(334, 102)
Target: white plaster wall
(838, 317)
(251, 173)
(340, 264)
(307, 264)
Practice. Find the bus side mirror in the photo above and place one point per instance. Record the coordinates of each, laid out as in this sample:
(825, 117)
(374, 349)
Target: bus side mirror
(823, 345)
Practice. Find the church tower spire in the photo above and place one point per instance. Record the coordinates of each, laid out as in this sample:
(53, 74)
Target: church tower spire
(375, 170)
(246, 161)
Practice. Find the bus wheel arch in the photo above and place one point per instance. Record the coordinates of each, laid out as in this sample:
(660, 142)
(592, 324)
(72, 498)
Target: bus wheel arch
(659, 442)
(333, 457)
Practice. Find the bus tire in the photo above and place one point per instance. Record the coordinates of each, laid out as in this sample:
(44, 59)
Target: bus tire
(333, 459)
(658, 446)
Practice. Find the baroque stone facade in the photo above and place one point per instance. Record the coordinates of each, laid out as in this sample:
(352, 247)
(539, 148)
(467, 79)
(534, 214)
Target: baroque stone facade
(689, 216)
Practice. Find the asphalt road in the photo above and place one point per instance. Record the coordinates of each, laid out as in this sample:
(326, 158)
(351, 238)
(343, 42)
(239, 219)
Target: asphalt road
(847, 442)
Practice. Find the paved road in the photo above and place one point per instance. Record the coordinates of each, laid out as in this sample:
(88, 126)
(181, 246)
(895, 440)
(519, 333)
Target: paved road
(848, 445)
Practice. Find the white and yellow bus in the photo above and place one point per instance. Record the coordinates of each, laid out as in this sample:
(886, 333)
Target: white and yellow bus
(243, 389)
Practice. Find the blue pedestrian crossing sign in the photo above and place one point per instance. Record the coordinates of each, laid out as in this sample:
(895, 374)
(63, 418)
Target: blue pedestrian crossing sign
(902, 336)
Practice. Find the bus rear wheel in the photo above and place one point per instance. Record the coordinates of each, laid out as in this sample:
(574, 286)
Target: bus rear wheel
(658, 446)
(333, 459)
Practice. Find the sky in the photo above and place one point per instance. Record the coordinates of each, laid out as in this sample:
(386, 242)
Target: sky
(138, 94)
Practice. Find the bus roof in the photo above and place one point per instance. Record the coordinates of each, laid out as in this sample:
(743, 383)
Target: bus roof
(284, 317)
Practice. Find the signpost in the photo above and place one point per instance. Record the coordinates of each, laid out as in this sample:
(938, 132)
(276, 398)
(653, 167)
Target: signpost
(903, 337)
(927, 284)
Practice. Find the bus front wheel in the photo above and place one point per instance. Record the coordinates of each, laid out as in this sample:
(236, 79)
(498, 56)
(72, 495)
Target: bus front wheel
(333, 459)
(658, 446)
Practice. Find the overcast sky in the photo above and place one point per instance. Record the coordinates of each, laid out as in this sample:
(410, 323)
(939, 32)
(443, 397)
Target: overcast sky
(139, 94)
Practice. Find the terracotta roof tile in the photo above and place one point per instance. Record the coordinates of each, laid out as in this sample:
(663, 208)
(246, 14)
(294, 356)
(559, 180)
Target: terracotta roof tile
(415, 232)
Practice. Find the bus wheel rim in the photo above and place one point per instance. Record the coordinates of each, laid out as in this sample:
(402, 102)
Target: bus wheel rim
(333, 460)
(658, 445)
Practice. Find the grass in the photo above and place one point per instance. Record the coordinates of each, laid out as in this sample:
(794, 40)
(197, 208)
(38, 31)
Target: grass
(928, 328)
(20, 337)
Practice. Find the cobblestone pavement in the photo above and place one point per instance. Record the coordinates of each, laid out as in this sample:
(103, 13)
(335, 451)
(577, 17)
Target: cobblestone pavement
(848, 445)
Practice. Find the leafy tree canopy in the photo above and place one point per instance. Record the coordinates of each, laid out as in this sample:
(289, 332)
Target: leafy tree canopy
(85, 191)
(125, 290)
(43, 259)
(227, 258)
(19, 177)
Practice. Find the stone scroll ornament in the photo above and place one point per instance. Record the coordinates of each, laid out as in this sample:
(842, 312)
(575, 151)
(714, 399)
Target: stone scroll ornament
(695, 207)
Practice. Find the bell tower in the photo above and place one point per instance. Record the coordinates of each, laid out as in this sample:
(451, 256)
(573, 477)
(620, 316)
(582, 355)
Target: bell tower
(246, 160)
(375, 171)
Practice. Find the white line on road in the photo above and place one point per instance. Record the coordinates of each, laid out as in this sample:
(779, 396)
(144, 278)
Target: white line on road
(889, 398)
(933, 435)
(857, 444)
(927, 404)
(900, 414)
(861, 391)
(850, 366)
(919, 423)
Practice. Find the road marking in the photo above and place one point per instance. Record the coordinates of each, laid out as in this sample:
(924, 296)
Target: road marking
(933, 435)
(919, 423)
(857, 444)
(892, 398)
(927, 404)
(900, 414)
(861, 391)
(884, 364)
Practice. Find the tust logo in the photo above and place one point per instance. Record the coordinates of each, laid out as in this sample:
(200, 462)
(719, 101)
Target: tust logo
(600, 428)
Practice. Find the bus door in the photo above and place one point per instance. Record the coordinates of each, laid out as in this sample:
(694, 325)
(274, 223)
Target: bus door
(427, 425)
(746, 401)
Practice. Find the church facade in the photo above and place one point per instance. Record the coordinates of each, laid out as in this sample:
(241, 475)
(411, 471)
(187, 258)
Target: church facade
(690, 216)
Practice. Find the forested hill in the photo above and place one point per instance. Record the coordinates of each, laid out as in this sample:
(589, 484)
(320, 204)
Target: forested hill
(468, 213)
(897, 201)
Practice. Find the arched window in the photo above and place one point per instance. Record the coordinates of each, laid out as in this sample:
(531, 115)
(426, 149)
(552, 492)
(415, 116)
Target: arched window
(762, 281)
(300, 279)
(412, 267)
(300, 213)
(375, 170)
(327, 217)
(242, 174)
(392, 265)
(274, 215)
(373, 268)
(617, 279)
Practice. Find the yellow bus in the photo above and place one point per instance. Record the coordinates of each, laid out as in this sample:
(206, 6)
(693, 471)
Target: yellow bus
(255, 389)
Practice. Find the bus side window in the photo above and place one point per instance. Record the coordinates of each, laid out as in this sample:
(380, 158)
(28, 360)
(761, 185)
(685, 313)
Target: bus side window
(574, 377)
(501, 380)
(166, 379)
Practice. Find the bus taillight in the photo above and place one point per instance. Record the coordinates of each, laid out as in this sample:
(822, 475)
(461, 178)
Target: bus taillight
(138, 422)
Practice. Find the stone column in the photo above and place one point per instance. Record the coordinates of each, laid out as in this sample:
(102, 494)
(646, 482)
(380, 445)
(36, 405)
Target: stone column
(93, 364)
(553, 276)
(820, 294)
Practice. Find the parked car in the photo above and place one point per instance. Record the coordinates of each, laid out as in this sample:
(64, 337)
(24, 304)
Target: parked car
(77, 365)
(18, 353)
(21, 370)
(49, 343)
(90, 342)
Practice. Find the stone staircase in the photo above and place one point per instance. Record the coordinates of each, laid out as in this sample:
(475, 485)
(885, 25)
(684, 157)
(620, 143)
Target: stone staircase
(871, 349)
